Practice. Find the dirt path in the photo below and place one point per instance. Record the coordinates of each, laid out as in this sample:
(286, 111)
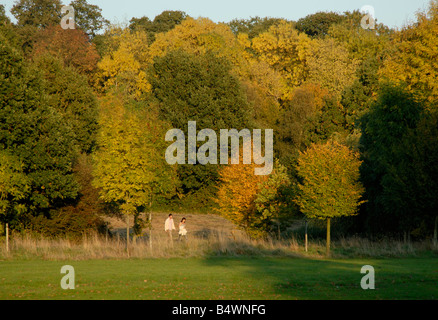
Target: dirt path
(199, 225)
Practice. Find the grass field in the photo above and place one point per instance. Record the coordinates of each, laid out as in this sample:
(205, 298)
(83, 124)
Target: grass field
(217, 262)
(220, 278)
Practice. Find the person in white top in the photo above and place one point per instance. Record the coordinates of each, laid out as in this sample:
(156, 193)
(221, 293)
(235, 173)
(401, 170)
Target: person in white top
(182, 229)
(169, 226)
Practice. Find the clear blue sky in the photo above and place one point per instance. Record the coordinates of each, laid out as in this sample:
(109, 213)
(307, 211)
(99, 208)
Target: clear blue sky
(394, 13)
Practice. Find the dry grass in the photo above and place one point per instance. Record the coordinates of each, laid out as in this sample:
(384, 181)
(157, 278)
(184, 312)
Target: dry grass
(209, 235)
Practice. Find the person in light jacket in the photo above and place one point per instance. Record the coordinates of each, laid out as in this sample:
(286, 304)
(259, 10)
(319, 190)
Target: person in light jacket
(169, 226)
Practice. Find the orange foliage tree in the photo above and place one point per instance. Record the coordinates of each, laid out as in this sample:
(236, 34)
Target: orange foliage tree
(71, 45)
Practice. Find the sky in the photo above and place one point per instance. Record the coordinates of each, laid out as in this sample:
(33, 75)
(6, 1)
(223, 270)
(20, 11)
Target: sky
(393, 13)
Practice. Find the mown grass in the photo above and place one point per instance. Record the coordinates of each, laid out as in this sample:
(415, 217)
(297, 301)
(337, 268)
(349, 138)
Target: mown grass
(216, 262)
(221, 278)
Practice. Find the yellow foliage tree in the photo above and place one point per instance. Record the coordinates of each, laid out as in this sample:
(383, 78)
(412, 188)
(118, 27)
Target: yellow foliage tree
(199, 36)
(414, 58)
(126, 63)
(330, 183)
(237, 193)
(330, 66)
(286, 50)
(129, 164)
(263, 85)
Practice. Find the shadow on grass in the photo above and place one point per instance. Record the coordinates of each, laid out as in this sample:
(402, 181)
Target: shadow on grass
(308, 278)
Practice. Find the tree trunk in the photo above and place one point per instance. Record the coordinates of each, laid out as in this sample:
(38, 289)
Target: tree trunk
(7, 237)
(435, 232)
(305, 238)
(328, 237)
(150, 230)
(127, 234)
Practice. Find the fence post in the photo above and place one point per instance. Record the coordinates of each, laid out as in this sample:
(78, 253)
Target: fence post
(7, 237)
(305, 237)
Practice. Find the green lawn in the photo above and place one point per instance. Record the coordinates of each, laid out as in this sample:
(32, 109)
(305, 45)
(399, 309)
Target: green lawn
(221, 278)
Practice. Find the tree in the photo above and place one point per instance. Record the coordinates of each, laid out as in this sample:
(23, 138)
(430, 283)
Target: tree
(330, 184)
(253, 26)
(330, 66)
(413, 58)
(72, 46)
(273, 201)
(69, 94)
(199, 36)
(14, 187)
(88, 17)
(35, 133)
(3, 17)
(237, 194)
(125, 64)
(198, 88)
(318, 24)
(297, 118)
(164, 22)
(285, 50)
(79, 217)
(389, 172)
(130, 168)
(37, 13)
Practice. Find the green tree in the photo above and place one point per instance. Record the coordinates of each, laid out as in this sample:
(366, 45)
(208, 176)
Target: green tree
(273, 202)
(88, 17)
(253, 26)
(164, 22)
(69, 94)
(330, 184)
(198, 88)
(14, 187)
(318, 24)
(37, 13)
(395, 162)
(35, 133)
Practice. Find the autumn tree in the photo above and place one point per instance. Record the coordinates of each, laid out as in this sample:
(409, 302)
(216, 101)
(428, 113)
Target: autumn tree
(330, 186)
(254, 203)
(72, 46)
(413, 57)
(130, 168)
(285, 50)
(237, 194)
(125, 64)
(330, 66)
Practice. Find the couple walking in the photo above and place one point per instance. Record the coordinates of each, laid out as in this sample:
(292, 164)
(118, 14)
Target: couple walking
(169, 226)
